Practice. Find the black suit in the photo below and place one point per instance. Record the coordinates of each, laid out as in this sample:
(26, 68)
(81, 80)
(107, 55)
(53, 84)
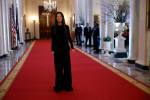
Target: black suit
(62, 62)
(87, 34)
(80, 34)
(76, 34)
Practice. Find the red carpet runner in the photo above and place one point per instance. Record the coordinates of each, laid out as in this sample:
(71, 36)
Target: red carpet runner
(91, 81)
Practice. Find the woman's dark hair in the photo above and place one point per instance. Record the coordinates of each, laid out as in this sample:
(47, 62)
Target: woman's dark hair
(96, 24)
(63, 24)
(76, 24)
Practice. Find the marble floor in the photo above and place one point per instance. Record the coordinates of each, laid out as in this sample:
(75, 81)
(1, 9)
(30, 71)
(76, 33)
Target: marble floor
(7, 63)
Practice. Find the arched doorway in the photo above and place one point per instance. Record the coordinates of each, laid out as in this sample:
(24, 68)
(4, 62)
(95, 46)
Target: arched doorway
(46, 20)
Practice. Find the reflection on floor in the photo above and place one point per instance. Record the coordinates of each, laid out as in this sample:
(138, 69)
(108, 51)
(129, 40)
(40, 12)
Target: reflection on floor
(7, 63)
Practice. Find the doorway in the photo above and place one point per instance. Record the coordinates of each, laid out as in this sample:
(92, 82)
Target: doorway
(46, 21)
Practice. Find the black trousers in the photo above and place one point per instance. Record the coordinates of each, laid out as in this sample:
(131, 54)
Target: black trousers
(88, 38)
(80, 40)
(77, 39)
(62, 69)
(96, 44)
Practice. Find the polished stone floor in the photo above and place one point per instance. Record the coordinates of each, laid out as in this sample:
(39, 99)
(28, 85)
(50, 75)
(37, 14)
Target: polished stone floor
(7, 63)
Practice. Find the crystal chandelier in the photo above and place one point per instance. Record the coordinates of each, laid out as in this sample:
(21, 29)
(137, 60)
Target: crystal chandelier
(50, 6)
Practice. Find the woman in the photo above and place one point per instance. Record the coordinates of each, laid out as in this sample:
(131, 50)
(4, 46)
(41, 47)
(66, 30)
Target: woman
(96, 37)
(60, 50)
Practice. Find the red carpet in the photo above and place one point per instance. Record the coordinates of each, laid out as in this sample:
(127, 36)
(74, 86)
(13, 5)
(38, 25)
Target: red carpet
(91, 81)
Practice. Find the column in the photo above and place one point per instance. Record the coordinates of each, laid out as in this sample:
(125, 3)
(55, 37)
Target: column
(102, 24)
(20, 19)
(77, 11)
(8, 27)
(22, 24)
(110, 29)
(4, 23)
(1, 28)
(111, 34)
(91, 13)
(142, 61)
(86, 13)
(134, 30)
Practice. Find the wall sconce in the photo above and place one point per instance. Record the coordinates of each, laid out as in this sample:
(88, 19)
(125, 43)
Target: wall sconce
(73, 18)
(34, 18)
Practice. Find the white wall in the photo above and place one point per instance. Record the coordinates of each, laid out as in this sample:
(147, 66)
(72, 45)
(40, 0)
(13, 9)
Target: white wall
(91, 17)
(96, 7)
(96, 10)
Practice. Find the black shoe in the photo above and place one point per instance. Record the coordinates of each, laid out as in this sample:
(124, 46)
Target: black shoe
(96, 52)
(57, 89)
(68, 88)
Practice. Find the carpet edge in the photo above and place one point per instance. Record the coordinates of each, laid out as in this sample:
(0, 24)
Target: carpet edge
(123, 75)
(4, 87)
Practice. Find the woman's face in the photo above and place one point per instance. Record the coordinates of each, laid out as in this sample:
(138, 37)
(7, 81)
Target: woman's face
(59, 18)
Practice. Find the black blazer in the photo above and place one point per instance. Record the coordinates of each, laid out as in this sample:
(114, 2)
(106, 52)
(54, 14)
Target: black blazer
(87, 32)
(95, 32)
(80, 30)
(60, 40)
(76, 30)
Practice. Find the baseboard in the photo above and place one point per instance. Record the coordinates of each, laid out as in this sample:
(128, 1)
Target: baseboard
(120, 55)
(111, 52)
(141, 66)
(3, 56)
(21, 43)
(131, 61)
(15, 48)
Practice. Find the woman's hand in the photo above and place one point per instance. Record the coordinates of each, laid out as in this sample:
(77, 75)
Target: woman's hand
(52, 52)
(73, 51)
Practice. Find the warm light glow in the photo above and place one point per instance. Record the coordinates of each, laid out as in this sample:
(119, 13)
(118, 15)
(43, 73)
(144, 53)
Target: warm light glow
(34, 18)
(66, 18)
(73, 18)
(51, 5)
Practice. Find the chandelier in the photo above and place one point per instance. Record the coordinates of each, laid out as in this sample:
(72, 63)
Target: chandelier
(50, 6)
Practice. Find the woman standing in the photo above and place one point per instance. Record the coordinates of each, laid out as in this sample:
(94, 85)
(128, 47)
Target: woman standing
(60, 49)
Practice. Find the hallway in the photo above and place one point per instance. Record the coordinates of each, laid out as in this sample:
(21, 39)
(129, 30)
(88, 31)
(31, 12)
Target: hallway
(112, 49)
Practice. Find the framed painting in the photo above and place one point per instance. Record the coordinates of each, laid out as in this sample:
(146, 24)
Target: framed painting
(97, 19)
(148, 14)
